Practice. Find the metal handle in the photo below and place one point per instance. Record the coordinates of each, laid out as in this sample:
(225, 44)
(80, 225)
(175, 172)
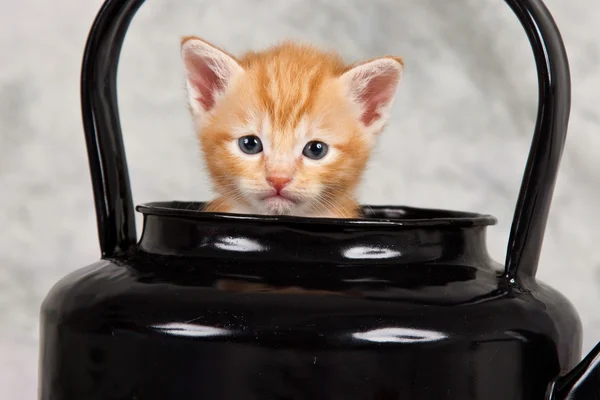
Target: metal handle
(102, 127)
(537, 187)
(110, 178)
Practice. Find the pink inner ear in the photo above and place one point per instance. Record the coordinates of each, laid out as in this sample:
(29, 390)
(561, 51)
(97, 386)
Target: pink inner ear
(203, 78)
(377, 93)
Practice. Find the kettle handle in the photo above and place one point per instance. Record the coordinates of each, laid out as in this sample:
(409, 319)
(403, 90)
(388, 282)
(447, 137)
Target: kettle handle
(108, 165)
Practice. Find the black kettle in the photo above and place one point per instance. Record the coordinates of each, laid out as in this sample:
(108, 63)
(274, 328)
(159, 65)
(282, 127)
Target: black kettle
(404, 303)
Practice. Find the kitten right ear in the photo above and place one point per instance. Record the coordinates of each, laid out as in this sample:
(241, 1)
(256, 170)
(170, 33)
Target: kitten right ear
(209, 72)
(372, 86)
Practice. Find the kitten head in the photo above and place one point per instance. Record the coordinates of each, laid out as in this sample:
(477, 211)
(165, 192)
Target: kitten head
(288, 130)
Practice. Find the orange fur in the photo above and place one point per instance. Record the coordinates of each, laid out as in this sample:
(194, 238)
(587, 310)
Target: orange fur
(287, 96)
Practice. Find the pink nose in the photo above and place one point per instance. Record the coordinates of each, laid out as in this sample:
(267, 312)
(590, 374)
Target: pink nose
(278, 181)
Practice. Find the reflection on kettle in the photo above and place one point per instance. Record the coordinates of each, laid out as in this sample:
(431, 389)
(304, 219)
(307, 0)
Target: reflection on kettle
(373, 252)
(188, 329)
(399, 335)
(240, 244)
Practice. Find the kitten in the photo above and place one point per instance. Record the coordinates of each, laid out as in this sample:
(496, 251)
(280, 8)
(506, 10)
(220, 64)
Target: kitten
(289, 130)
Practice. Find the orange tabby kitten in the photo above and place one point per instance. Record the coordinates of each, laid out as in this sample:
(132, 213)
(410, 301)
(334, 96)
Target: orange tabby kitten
(289, 130)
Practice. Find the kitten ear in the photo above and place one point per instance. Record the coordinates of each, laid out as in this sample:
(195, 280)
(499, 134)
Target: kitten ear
(372, 86)
(209, 72)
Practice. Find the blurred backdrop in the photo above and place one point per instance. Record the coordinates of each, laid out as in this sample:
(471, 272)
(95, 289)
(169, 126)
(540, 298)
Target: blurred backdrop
(458, 138)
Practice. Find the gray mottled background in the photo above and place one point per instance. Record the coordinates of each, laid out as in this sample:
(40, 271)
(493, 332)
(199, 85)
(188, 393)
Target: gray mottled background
(458, 139)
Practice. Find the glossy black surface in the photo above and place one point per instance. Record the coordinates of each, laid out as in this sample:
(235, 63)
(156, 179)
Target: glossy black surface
(404, 303)
(420, 236)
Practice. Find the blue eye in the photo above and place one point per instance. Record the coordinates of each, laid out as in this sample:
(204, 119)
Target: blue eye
(250, 144)
(315, 150)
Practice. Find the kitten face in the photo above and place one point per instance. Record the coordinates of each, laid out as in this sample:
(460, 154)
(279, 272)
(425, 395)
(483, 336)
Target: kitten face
(287, 131)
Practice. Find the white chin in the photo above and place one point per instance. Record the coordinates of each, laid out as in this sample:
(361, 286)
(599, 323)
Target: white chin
(278, 206)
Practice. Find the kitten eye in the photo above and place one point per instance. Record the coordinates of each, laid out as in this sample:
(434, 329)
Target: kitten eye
(315, 150)
(250, 144)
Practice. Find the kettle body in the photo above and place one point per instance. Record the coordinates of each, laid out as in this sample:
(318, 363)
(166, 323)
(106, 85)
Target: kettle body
(214, 308)
(403, 303)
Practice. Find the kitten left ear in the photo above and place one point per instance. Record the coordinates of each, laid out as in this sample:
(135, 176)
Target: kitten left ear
(209, 73)
(372, 86)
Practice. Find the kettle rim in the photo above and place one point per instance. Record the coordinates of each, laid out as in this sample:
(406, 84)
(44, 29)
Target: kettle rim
(379, 216)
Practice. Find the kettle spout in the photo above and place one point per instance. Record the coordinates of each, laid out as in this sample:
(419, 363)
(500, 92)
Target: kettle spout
(582, 383)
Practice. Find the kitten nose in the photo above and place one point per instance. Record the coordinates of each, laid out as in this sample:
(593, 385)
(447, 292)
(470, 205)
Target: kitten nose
(278, 181)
